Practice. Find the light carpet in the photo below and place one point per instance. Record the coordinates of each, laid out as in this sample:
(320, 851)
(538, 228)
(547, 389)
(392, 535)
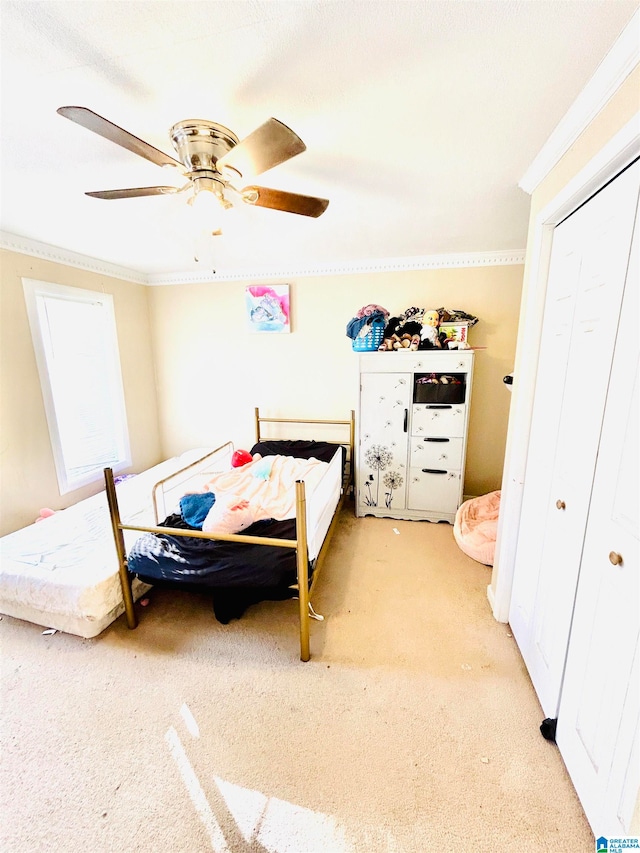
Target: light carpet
(414, 726)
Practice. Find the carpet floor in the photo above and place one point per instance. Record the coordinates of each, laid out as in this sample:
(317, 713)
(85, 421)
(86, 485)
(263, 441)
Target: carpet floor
(413, 727)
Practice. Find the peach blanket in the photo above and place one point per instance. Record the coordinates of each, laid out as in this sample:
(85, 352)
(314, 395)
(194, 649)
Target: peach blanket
(275, 496)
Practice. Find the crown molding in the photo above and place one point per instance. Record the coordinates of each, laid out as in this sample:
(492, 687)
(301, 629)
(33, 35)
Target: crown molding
(381, 265)
(607, 79)
(26, 246)
(35, 249)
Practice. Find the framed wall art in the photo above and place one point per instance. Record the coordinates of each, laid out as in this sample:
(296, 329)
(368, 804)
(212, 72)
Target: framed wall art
(268, 308)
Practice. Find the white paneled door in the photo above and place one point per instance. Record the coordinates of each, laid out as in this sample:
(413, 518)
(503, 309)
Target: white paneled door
(600, 700)
(590, 257)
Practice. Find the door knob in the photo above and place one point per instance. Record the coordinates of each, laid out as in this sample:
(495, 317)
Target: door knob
(615, 559)
(561, 505)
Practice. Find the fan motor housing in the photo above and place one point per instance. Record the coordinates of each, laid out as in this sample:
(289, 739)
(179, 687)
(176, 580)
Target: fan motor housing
(201, 143)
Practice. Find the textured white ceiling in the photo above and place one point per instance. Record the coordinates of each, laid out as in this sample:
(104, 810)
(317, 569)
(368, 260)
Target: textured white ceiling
(420, 118)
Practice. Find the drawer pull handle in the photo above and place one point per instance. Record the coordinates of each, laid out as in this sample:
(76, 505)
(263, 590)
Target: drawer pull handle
(561, 505)
(615, 559)
(438, 406)
(436, 439)
(433, 471)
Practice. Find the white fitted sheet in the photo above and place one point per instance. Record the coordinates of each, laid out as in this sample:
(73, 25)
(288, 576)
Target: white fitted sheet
(63, 571)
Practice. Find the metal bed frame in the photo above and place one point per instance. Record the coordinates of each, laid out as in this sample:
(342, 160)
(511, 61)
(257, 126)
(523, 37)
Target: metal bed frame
(299, 544)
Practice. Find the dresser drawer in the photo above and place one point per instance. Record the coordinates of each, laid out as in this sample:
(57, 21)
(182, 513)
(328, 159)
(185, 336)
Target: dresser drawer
(430, 452)
(438, 420)
(438, 490)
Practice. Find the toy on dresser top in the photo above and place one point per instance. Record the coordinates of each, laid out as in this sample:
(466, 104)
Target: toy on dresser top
(420, 329)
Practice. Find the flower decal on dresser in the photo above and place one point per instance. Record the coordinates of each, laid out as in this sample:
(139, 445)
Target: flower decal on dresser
(379, 458)
(392, 480)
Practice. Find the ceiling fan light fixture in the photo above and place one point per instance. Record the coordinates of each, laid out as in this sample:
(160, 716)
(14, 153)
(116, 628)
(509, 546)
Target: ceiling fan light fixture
(209, 184)
(211, 156)
(208, 205)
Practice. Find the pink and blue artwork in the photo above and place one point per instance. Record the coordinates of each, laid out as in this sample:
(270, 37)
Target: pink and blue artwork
(268, 308)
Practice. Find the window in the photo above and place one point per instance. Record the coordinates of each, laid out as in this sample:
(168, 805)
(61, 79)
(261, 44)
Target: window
(74, 337)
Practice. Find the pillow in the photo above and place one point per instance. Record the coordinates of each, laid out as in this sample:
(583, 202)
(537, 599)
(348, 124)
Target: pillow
(229, 514)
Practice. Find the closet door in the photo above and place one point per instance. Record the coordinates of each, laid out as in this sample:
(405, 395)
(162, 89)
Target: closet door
(599, 712)
(383, 440)
(586, 279)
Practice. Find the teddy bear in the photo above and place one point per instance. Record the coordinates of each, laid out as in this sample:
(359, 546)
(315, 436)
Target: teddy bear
(402, 341)
(400, 331)
(388, 339)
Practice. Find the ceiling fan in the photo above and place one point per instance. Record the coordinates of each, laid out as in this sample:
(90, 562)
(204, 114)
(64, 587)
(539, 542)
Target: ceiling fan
(211, 157)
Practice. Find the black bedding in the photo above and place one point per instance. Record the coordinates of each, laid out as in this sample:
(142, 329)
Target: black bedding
(321, 450)
(238, 573)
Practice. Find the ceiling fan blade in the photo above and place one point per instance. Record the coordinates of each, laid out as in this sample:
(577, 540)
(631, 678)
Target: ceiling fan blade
(135, 192)
(92, 121)
(270, 144)
(305, 205)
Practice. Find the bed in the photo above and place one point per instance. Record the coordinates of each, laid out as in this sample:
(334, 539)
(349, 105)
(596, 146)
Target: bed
(264, 535)
(62, 572)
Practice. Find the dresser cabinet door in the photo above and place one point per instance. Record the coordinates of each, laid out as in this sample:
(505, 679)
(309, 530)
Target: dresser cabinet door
(384, 425)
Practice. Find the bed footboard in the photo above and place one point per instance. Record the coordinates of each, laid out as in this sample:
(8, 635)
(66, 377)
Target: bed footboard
(302, 563)
(118, 536)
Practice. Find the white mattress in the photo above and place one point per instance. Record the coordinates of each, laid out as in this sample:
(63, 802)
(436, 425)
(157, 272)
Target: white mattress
(63, 571)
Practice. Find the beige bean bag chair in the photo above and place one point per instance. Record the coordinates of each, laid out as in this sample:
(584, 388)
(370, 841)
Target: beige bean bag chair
(476, 526)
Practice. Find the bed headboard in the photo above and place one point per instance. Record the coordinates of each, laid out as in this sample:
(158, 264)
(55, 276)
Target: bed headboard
(329, 427)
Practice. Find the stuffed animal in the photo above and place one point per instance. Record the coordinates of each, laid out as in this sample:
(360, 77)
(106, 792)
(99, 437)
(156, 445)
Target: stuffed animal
(229, 514)
(45, 513)
(399, 331)
(429, 332)
(402, 341)
(389, 331)
(240, 458)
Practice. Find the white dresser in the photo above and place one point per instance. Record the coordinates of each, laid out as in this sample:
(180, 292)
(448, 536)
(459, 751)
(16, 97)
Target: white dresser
(412, 424)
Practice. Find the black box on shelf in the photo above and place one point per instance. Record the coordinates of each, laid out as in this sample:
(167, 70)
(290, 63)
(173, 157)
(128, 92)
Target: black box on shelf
(439, 388)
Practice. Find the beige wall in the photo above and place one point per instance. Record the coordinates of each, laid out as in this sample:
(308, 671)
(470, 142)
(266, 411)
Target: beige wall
(212, 372)
(27, 472)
